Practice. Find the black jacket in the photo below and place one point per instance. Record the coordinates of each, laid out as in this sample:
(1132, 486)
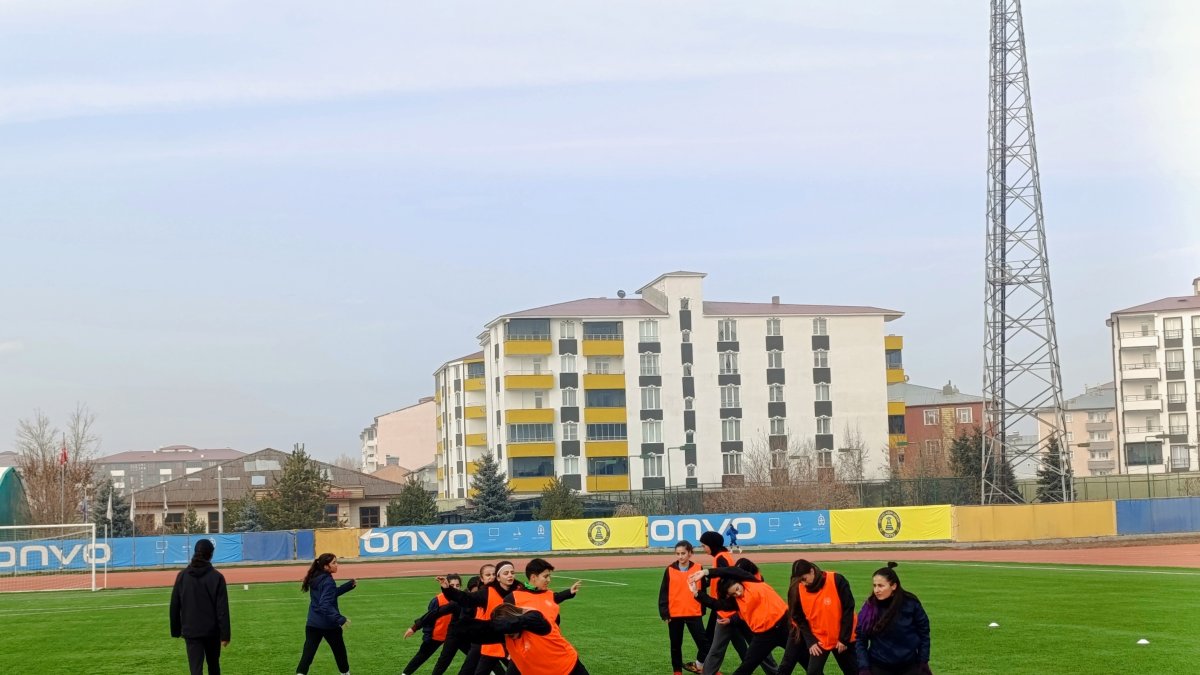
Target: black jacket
(428, 620)
(845, 596)
(200, 603)
(904, 642)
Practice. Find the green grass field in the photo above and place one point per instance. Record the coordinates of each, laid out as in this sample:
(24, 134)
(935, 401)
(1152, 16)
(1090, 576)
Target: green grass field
(1052, 620)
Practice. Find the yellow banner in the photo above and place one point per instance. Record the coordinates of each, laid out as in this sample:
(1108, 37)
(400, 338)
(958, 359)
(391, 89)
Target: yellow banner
(590, 534)
(901, 523)
(1035, 521)
(341, 542)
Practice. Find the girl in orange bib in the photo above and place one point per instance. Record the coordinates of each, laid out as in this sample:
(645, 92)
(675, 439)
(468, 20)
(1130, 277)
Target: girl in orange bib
(534, 644)
(821, 607)
(764, 612)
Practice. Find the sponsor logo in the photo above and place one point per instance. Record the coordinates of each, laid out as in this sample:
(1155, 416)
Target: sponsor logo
(672, 530)
(40, 556)
(599, 533)
(416, 541)
(888, 523)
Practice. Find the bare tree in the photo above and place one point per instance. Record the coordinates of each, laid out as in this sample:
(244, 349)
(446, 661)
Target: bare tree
(57, 491)
(347, 462)
(782, 477)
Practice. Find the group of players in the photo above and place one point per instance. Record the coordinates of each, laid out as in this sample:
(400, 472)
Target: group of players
(507, 627)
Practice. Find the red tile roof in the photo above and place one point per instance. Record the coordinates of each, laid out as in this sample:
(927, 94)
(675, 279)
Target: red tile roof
(1176, 303)
(772, 309)
(590, 307)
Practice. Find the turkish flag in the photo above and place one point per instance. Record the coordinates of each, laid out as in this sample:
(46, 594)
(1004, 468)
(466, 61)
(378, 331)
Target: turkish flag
(62, 456)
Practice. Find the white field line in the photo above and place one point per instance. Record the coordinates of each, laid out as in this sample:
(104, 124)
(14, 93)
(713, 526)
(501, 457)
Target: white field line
(299, 599)
(591, 581)
(1020, 566)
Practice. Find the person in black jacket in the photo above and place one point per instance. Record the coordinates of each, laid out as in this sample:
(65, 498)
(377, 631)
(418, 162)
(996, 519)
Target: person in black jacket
(457, 637)
(893, 629)
(434, 625)
(200, 610)
(325, 621)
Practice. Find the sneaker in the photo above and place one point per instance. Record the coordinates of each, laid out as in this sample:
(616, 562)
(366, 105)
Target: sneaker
(693, 668)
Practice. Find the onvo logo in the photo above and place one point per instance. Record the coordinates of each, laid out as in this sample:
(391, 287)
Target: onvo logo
(665, 530)
(52, 556)
(416, 541)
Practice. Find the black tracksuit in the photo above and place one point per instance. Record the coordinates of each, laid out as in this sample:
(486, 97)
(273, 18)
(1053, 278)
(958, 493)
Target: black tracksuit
(200, 614)
(477, 663)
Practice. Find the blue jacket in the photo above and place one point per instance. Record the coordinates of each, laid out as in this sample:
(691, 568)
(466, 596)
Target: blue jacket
(323, 601)
(904, 642)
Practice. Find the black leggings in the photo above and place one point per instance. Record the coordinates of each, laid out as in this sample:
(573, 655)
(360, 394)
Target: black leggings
(796, 653)
(426, 650)
(450, 648)
(880, 669)
(475, 661)
(695, 626)
(200, 650)
(312, 640)
(497, 665)
(761, 645)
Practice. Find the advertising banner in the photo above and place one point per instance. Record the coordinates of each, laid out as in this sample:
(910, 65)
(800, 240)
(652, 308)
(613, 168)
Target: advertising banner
(791, 527)
(529, 536)
(881, 525)
(589, 534)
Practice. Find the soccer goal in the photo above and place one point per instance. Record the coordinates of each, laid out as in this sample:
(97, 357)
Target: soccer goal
(49, 557)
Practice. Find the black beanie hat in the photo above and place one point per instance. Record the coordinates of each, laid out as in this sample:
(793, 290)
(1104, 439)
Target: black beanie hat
(204, 549)
(714, 541)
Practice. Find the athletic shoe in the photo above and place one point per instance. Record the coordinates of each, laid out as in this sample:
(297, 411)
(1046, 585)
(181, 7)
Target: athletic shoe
(693, 668)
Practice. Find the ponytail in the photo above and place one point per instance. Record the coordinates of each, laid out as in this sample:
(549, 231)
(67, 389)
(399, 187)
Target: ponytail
(316, 568)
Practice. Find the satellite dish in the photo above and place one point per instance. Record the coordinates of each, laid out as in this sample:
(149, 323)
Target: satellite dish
(621, 294)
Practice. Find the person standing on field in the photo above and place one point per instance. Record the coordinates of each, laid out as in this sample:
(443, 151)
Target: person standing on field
(678, 607)
(325, 621)
(893, 629)
(821, 606)
(200, 610)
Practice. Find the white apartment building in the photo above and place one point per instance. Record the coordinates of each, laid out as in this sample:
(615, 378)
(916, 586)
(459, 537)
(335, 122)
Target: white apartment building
(604, 393)
(1091, 430)
(1156, 365)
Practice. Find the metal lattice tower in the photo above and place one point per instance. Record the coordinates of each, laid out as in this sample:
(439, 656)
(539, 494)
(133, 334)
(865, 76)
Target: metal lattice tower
(1021, 366)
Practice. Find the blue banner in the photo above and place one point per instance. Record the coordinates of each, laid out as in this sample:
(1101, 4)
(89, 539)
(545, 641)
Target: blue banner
(1155, 516)
(268, 546)
(74, 554)
(790, 527)
(306, 544)
(524, 537)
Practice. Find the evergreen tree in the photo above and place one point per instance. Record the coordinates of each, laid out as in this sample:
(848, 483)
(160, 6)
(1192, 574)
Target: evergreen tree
(559, 502)
(966, 460)
(120, 525)
(192, 524)
(413, 506)
(492, 501)
(1050, 475)
(244, 515)
(297, 500)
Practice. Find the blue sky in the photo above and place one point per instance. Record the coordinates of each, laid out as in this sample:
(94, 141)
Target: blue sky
(251, 224)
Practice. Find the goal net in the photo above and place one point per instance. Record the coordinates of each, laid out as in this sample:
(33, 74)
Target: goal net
(49, 557)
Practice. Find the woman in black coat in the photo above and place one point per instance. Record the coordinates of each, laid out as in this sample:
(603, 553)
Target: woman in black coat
(893, 629)
(325, 621)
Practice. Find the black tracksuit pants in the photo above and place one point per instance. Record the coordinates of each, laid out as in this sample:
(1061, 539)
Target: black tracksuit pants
(450, 648)
(200, 650)
(761, 645)
(796, 653)
(312, 640)
(695, 626)
(426, 650)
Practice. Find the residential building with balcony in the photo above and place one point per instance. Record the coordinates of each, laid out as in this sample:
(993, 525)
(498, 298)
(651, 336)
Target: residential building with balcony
(933, 418)
(1156, 368)
(605, 392)
(1090, 430)
(404, 437)
(138, 469)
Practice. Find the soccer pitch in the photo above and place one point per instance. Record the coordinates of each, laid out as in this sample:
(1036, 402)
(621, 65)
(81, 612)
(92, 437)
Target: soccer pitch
(1053, 619)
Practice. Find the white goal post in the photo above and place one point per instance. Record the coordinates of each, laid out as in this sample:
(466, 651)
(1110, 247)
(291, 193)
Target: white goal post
(49, 557)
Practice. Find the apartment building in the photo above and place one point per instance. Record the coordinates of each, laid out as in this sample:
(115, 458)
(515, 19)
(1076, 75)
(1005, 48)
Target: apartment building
(1091, 430)
(1156, 368)
(404, 437)
(137, 469)
(667, 389)
(933, 418)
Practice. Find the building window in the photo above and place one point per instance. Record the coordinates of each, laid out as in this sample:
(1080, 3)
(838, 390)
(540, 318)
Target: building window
(820, 359)
(649, 364)
(819, 326)
(773, 327)
(685, 304)
(1070, 436)
(778, 426)
(963, 415)
(539, 401)
(729, 363)
(822, 391)
(731, 430)
(825, 459)
(607, 432)
(568, 363)
(608, 466)
(1067, 417)
(570, 431)
(530, 433)
(931, 418)
(727, 330)
(368, 516)
(1097, 435)
(651, 398)
(775, 393)
(571, 464)
(652, 431)
(214, 522)
(1175, 359)
(531, 467)
(824, 425)
(652, 466)
(774, 359)
(1176, 392)
(648, 331)
(731, 396)
(686, 336)
(933, 447)
(566, 330)
(599, 365)
(731, 463)
(689, 403)
(1177, 423)
(687, 370)
(604, 398)
(1097, 417)
(1173, 328)
(570, 398)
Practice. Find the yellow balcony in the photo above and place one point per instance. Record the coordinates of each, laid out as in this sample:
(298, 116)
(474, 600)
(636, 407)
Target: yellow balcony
(606, 448)
(475, 412)
(531, 450)
(439, 421)
(437, 396)
(529, 484)
(441, 473)
(529, 416)
(476, 440)
(440, 447)
(607, 483)
(897, 440)
(472, 468)
(604, 415)
(603, 347)
(474, 384)
(528, 347)
(895, 375)
(893, 342)
(544, 381)
(605, 381)
(895, 407)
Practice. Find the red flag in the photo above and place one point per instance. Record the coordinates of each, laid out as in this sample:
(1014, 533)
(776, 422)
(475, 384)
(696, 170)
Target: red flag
(62, 456)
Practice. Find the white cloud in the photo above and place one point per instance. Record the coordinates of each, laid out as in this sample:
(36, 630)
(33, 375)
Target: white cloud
(9, 346)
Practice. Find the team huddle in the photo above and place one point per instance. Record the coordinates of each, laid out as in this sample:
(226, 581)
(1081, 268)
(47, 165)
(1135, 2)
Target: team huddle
(504, 626)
